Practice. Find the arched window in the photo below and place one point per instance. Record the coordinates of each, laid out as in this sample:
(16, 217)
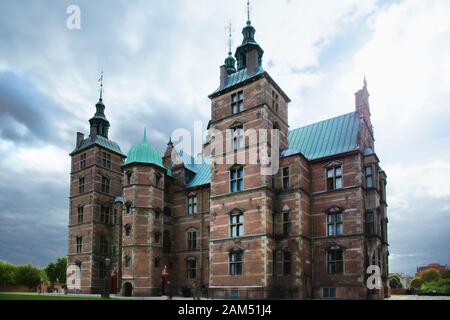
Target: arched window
(127, 261)
(191, 268)
(236, 261)
(335, 260)
(128, 230)
(191, 239)
(236, 223)
(335, 223)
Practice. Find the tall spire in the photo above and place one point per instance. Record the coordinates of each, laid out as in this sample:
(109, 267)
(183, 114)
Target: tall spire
(230, 61)
(101, 86)
(248, 13)
(144, 139)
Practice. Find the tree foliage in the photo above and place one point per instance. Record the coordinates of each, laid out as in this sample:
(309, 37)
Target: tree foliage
(56, 271)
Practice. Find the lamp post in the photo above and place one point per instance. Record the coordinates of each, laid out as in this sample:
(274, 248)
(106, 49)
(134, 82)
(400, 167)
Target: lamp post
(105, 278)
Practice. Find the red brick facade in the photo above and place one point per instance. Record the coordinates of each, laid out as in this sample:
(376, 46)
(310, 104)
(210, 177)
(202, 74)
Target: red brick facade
(296, 234)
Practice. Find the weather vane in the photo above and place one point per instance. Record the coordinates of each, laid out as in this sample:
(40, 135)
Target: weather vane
(248, 11)
(101, 85)
(230, 39)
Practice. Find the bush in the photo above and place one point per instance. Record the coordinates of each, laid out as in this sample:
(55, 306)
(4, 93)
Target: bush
(439, 287)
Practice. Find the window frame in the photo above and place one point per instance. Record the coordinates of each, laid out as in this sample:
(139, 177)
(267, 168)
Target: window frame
(82, 163)
(286, 223)
(237, 102)
(369, 177)
(331, 181)
(128, 229)
(191, 239)
(335, 265)
(236, 179)
(127, 261)
(238, 137)
(104, 245)
(191, 268)
(106, 184)
(335, 220)
(237, 228)
(106, 160)
(287, 262)
(80, 214)
(236, 262)
(79, 245)
(81, 184)
(192, 205)
(285, 179)
(275, 100)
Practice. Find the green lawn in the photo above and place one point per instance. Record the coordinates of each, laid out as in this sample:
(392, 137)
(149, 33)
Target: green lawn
(34, 296)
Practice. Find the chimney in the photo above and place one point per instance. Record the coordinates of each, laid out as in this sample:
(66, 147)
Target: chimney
(80, 138)
(223, 75)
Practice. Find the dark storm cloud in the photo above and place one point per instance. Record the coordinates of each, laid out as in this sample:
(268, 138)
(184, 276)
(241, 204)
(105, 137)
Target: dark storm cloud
(26, 114)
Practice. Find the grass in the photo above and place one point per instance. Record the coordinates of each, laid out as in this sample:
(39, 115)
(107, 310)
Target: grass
(34, 296)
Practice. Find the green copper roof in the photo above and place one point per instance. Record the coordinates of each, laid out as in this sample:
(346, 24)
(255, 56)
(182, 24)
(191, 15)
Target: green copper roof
(147, 154)
(100, 141)
(237, 78)
(326, 138)
(202, 174)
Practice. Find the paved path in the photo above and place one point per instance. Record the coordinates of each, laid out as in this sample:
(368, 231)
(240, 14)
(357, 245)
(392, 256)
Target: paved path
(413, 297)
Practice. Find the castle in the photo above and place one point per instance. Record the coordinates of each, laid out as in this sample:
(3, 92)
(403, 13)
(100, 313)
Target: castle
(310, 230)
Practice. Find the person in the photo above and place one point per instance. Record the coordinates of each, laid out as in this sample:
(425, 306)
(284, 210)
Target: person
(196, 290)
(169, 290)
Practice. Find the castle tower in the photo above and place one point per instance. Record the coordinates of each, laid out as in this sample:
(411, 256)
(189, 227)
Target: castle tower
(96, 182)
(241, 197)
(144, 240)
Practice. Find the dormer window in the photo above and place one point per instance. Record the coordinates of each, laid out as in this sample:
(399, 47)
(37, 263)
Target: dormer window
(237, 102)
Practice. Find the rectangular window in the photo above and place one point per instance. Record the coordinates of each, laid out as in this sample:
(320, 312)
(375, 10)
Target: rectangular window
(192, 240)
(79, 247)
(238, 138)
(191, 268)
(237, 102)
(370, 223)
(369, 177)
(83, 161)
(106, 160)
(114, 217)
(103, 245)
(104, 215)
(329, 292)
(237, 179)
(81, 185)
(192, 204)
(335, 224)
(80, 214)
(286, 222)
(274, 101)
(334, 178)
(236, 262)
(335, 261)
(286, 182)
(286, 263)
(105, 185)
(237, 224)
(129, 176)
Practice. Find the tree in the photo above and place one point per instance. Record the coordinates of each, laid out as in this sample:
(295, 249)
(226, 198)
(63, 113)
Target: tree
(7, 274)
(28, 276)
(430, 275)
(395, 283)
(56, 272)
(416, 282)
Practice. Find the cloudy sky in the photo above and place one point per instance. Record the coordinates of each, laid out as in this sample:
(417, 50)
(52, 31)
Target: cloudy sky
(161, 59)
